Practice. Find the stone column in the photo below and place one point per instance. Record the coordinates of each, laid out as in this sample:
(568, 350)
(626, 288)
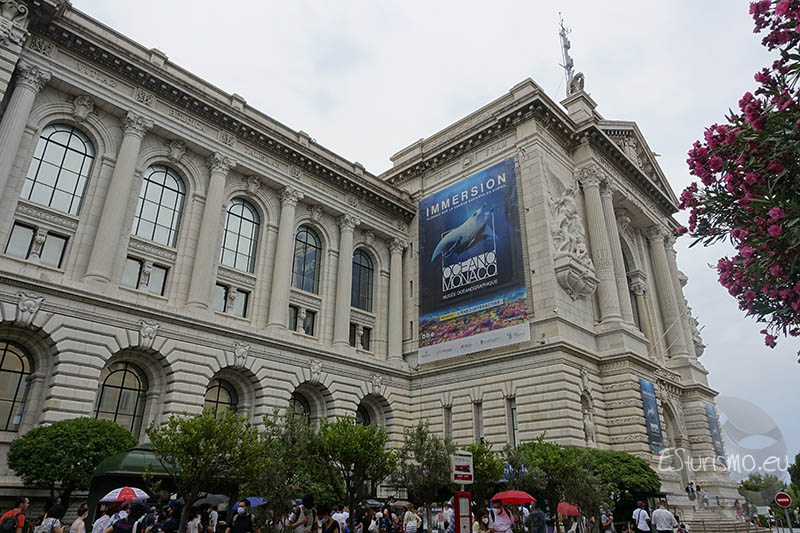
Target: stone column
(395, 326)
(30, 80)
(676, 344)
(118, 198)
(282, 272)
(344, 280)
(608, 297)
(206, 256)
(640, 290)
(606, 193)
(680, 300)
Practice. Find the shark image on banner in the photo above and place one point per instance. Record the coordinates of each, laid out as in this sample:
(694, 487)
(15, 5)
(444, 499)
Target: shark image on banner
(465, 236)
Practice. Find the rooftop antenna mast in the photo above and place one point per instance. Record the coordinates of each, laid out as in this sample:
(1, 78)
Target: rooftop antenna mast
(565, 57)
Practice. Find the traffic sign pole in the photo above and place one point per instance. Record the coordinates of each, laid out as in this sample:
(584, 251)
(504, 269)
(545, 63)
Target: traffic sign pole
(785, 501)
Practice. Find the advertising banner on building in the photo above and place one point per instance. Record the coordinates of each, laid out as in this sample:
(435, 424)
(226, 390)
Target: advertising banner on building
(716, 435)
(472, 283)
(652, 420)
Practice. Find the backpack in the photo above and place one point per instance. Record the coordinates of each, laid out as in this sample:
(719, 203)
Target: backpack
(9, 524)
(46, 526)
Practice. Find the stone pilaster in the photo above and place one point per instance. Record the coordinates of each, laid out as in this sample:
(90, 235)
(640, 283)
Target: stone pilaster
(640, 292)
(115, 206)
(282, 276)
(680, 300)
(344, 280)
(206, 257)
(30, 80)
(591, 178)
(676, 345)
(395, 326)
(606, 193)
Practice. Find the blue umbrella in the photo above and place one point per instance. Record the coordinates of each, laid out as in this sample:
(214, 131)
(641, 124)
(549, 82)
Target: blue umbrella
(255, 501)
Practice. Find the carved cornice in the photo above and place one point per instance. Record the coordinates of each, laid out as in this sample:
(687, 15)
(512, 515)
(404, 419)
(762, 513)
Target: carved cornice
(135, 124)
(273, 142)
(306, 299)
(62, 221)
(632, 437)
(239, 278)
(362, 317)
(152, 249)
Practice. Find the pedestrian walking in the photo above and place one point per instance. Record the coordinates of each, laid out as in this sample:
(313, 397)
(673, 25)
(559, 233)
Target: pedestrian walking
(663, 520)
(14, 520)
(52, 523)
(243, 521)
(481, 523)
(607, 520)
(706, 498)
(537, 522)
(78, 525)
(641, 520)
(306, 520)
(500, 519)
(411, 523)
(326, 521)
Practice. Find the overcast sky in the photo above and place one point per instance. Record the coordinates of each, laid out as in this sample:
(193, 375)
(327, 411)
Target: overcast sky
(367, 78)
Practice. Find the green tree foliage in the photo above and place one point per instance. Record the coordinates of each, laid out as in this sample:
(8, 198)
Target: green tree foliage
(760, 489)
(621, 474)
(488, 469)
(423, 465)
(66, 453)
(353, 454)
(204, 452)
(794, 471)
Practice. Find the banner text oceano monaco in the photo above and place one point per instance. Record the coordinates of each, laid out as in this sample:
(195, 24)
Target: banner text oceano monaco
(472, 286)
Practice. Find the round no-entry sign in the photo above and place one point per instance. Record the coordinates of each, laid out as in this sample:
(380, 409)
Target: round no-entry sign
(783, 500)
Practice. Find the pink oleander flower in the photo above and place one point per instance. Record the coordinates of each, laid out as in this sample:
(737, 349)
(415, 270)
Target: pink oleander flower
(776, 213)
(774, 230)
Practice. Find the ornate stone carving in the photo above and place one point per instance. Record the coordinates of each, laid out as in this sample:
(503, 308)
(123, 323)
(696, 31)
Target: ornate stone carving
(585, 385)
(396, 246)
(348, 222)
(290, 196)
(133, 124)
(316, 212)
(38, 242)
(227, 138)
(253, 184)
(302, 313)
(144, 97)
(575, 277)
(28, 305)
(352, 201)
(240, 353)
(638, 287)
(148, 330)
(369, 237)
(176, 150)
(588, 428)
(608, 187)
(81, 107)
(144, 279)
(569, 238)
(376, 380)
(577, 83)
(295, 172)
(15, 12)
(697, 339)
(591, 176)
(31, 76)
(47, 216)
(220, 163)
(233, 292)
(316, 370)
(46, 48)
(152, 249)
(655, 234)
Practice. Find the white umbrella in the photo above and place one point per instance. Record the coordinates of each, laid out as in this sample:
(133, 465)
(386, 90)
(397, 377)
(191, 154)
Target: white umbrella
(125, 494)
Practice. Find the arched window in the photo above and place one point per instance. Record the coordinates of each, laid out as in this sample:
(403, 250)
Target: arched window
(362, 415)
(158, 212)
(307, 253)
(241, 234)
(361, 291)
(220, 396)
(15, 367)
(60, 167)
(300, 405)
(122, 396)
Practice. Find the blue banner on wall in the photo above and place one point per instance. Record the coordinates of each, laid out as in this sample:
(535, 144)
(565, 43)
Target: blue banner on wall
(716, 435)
(472, 283)
(652, 420)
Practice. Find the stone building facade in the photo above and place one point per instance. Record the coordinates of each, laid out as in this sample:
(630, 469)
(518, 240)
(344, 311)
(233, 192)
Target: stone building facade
(167, 247)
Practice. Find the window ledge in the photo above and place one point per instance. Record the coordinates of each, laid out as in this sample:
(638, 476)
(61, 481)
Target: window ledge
(303, 298)
(237, 277)
(158, 253)
(144, 292)
(29, 263)
(231, 315)
(8, 435)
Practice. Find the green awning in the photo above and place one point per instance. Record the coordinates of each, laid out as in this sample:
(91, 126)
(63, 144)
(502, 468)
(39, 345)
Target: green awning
(132, 462)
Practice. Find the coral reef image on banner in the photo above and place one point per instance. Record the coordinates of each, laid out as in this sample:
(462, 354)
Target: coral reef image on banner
(472, 283)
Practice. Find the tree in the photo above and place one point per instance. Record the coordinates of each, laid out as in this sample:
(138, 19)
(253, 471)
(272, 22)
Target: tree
(760, 489)
(423, 465)
(749, 170)
(66, 453)
(206, 451)
(353, 454)
(794, 471)
(621, 475)
(488, 469)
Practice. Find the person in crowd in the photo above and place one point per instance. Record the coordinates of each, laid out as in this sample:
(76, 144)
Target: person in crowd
(663, 520)
(213, 519)
(121, 513)
(536, 520)
(449, 518)
(78, 525)
(359, 513)
(410, 521)
(691, 493)
(125, 525)
(14, 520)
(481, 523)
(606, 520)
(306, 520)
(384, 516)
(326, 521)
(49, 504)
(706, 499)
(341, 516)
(104, 520)
(641, 520)
(52, 522)
(193, 522)
(500, 519)
(173, 522)
(364, 524)
(243, 521)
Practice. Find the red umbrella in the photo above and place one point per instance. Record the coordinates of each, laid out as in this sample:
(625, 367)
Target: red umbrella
(513, 497)
(125, 494)
(567, 509)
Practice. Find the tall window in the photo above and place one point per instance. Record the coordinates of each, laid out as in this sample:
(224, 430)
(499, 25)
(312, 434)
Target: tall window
(241, 234)
(220, 396)
(477, 420)
(511, 421)
(158, 212)
(307, 253)
(15, 367)
(122, 396)
(60, 167)
(361, 292)
(301, 406)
